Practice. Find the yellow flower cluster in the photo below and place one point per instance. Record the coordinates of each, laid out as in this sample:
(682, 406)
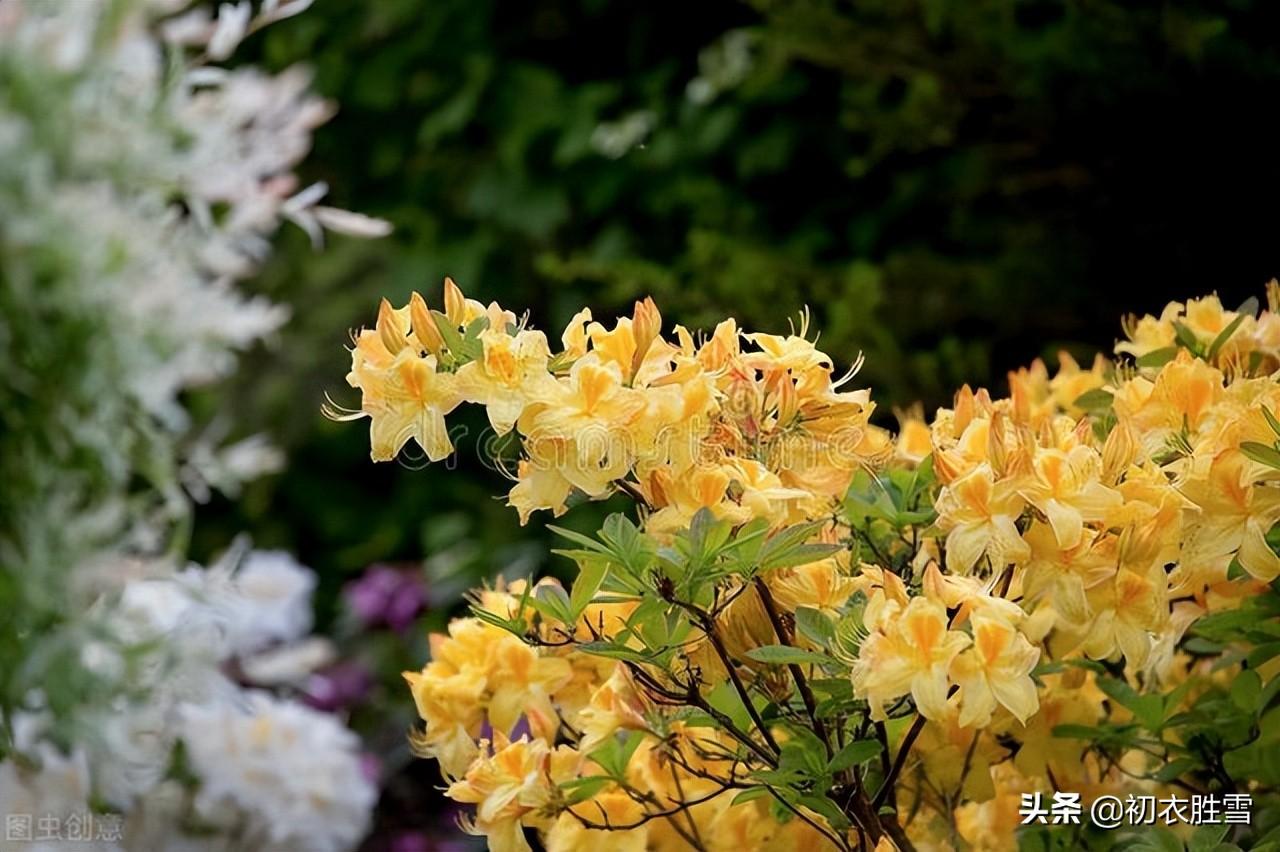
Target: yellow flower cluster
(1091, 515)
(748, 426)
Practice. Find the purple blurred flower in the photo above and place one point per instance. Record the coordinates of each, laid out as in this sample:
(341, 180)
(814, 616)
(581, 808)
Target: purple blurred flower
(420, 841)
(412, 841)
(338, 686)
(386, 595)
(371, 768)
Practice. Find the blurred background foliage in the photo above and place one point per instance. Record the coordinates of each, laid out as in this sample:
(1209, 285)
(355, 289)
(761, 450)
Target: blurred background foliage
(953, 188)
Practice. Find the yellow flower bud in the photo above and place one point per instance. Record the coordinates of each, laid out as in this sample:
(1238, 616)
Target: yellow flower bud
(424, 325)
(390, 330)
(455, 304)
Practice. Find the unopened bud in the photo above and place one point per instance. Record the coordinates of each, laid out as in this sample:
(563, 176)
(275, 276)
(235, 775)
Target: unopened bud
(1118, 452)
(996, 452)
(390, 330)
(646, 325)
(964, 410)
(424, 325)
(455, 304)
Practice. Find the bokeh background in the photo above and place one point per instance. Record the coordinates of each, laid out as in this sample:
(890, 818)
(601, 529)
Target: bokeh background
(953, 189)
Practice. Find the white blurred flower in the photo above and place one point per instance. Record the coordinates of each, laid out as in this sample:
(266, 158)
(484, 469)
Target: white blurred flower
(231, 27)
(273, 600)
(289, 665)
(295, 771)
(56, 786)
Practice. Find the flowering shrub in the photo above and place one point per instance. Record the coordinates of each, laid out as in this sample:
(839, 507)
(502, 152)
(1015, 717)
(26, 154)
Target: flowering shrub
(812, 634)
(139, 184)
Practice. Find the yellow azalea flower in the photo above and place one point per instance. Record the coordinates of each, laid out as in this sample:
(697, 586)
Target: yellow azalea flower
(1062, 575)
(521, 681)
(1206, 319)
(462, 311)
(705, 751)
(761, 492)
(613, 807)
(915, 441)
(979, 517)
(513, 786)
(574, 339)
(582, 426)
(511, 374)
(1129, 609)
(615, 705)
(1071, 382)
(909, 655)
(1234, 517)
(678, 499)
(996, 669)
(793, 353)
(721, 348)
(403, 395)
(1149, 333)
(1066, 488)
(616, 347)
(991, 825)
(968, 595)
(1184, 393)
(449, 693)
(1069, 698)
(747, 825)
(539, 485)
(478, 672)
(958, 758)
(822, 585)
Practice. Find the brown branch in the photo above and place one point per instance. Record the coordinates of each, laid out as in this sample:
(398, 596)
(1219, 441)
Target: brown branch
(797, 674)
(903, 751)
(709, 629)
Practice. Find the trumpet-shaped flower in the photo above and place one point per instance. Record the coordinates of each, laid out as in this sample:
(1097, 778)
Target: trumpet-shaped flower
(513, 785)
(511, 374)
(1234, 517)
(996, 669)
(979, 515)
(909, 655)
(1066, 488)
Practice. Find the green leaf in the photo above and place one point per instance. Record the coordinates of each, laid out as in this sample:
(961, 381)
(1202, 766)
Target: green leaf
(1271, 420)
(590, 577)
(784, 655)
(578, 538)
(1148, 710)
(829, 810)
(552, 602)
(1207, 837)
(856, 752)
(1261, 453)
(615, 753)
(581, 789)
(1175, 769)
(1096, 400)
(1187, 337)
(614, 651)
(1245, 691)
(1224, 336)
(750, 795)
(1158, 357)
(815, 626)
